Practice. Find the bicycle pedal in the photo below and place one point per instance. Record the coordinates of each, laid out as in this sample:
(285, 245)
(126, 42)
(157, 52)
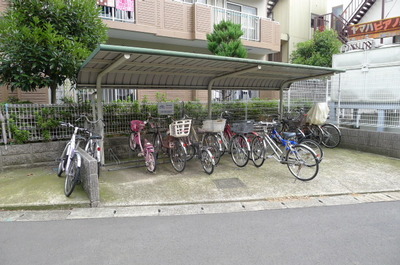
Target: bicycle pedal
(140, 154)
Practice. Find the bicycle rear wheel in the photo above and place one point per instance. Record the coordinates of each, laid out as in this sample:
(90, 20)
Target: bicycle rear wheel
(72, 175)
(313, 132)
(93, 152)
(302, 162)
(178, 155)
(331, 135)
(151, 163)
(315, 147)
(207, 161)
(258, 150)
(240, 150)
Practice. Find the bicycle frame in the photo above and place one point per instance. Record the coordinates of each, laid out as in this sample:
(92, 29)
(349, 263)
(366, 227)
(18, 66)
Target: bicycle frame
(71, 151)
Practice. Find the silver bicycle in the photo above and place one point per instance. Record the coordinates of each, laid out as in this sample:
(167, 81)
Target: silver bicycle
(300, 159)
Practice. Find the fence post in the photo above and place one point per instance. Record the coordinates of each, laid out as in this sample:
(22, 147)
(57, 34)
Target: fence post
(3, 128)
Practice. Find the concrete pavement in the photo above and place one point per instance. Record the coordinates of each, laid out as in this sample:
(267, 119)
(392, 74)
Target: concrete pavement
(345, 177)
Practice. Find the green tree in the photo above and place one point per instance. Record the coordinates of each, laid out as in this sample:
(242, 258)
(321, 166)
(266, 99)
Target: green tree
(44, 42)
(225, 40)
(318, 51)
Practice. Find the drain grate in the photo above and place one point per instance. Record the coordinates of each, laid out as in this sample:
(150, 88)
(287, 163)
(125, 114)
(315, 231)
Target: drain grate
(230, 183)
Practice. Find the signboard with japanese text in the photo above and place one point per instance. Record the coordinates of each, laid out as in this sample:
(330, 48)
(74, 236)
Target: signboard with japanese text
(165, 108)
(375, 29)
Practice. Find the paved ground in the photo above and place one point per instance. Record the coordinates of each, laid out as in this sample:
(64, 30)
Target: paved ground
(345, 177)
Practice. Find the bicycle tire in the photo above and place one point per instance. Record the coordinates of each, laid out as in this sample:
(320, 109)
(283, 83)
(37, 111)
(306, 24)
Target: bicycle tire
(190, 151)
(207, 161)
(132, 142)
(72, 175)
(63, 160)
(92, 151)
(315, 133)
(240, 150)
(177, 155)
(157, 144)
(315, 147)
(151, 162)
(331, 136)
(302, 162)
(212, 141)
(222, 144)
(258, 151)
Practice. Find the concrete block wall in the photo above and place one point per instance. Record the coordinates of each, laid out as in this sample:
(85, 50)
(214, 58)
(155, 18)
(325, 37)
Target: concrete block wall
(29, 155)
(383, 143)
(90, 178)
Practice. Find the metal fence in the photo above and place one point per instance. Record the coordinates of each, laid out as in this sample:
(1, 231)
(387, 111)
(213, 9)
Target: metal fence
(381, 112)
(33, 122)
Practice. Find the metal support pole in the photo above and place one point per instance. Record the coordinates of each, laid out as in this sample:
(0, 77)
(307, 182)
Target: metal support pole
(100, 99)
(210, 85)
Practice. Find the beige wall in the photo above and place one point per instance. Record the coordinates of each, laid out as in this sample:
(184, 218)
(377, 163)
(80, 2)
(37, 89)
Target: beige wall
(295, 19)
(167, 18)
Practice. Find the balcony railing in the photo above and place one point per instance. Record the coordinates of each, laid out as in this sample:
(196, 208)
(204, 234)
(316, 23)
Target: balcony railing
(250, 23)
(112, 13)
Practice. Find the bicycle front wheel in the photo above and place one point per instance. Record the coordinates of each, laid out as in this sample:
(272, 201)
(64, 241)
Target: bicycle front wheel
(178, 155)
(72, 175)
(331, 135)
(207, 161)
(302, 162)
(63, 160)
(258, 150)
(132, 141)
(212, 141)
(240, 150)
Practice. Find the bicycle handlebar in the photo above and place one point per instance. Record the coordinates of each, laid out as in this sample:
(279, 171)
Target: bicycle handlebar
(87, 119)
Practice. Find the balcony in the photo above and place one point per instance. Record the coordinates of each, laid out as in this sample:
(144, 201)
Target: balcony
(114, 14)
(250, 23)
(187, 24)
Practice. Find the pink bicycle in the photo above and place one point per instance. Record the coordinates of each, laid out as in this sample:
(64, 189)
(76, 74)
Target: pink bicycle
(146, 149)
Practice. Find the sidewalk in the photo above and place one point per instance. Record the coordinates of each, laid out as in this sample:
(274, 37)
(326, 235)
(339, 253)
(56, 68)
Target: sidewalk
(342, 172)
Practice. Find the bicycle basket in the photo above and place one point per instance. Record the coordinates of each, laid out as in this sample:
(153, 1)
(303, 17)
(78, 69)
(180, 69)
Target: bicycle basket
(137, 125)
(243, 127)
(214, 125)
(180, 128)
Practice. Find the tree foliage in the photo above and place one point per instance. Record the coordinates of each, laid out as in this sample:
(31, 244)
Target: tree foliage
(318, 51)
(225, 40)
(44, 42)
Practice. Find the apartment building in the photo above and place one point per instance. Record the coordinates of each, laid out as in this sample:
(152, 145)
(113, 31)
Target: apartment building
(272, 29)
(183, 25)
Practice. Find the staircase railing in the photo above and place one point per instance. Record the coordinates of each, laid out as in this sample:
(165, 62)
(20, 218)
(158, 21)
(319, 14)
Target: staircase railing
(353, 9)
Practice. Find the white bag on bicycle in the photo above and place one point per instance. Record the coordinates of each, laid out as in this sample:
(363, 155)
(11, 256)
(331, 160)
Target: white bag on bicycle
(318, 114)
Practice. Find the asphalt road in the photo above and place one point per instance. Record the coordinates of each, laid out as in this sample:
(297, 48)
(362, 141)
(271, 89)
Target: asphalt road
(367, 233)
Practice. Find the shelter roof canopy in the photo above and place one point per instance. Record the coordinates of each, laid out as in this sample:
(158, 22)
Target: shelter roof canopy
(132, 67)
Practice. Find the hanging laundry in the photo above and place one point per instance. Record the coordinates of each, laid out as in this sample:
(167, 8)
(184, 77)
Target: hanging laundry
(125, 5)
(106, 3)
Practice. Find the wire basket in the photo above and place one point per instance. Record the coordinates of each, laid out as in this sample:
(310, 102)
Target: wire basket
(180, 128)
(137, 125)
(243, 127)
(214, 125)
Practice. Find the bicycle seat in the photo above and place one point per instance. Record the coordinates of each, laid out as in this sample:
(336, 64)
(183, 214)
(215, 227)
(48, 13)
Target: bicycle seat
(287, 135)
(95, 137)
(80, 138)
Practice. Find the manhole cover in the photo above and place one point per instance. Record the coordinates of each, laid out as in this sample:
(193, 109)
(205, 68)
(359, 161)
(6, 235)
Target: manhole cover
(230, 183)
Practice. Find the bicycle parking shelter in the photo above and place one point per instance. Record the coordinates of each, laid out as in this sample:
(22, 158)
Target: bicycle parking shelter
(123, 67)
